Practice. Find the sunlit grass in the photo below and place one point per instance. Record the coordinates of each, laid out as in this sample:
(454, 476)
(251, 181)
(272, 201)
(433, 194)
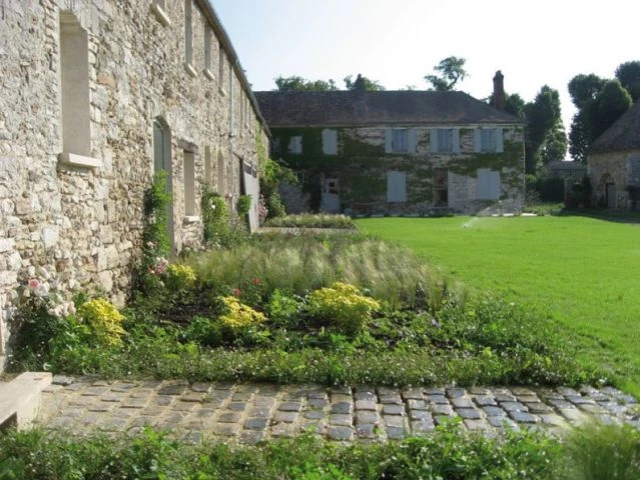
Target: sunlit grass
(582, 271)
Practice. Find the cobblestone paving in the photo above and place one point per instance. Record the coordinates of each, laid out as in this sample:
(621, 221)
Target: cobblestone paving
(252, 412)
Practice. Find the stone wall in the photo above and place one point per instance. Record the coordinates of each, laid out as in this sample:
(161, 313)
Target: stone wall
(361, 166)
(74, 221)
(610, 167)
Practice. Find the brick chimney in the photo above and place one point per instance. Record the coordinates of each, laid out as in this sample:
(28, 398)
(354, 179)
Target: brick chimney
(497, 99)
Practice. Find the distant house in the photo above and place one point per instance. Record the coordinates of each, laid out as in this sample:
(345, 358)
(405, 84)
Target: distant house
(614, 163)
(397, 152)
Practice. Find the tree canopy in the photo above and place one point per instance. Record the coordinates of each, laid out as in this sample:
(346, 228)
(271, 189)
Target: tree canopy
(449, 71)
(545, 136)
(298, 83)
(600, 102)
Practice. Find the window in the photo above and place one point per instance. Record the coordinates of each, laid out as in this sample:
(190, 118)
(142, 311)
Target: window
(208, 174)
(222, 188)
(222, 59)
(162, 162)
(440, 187)
(487, 184)
(489, 140)
(633, 170)
(188, 47)
(445, 140)
(158, 9)
(76, 107)
(396, 187)
(189, 184)
(295, 144)
(208, 72)
(329, 142)
(400, 140)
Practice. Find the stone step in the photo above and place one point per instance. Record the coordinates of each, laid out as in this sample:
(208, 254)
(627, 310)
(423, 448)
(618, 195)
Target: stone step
(20, 399)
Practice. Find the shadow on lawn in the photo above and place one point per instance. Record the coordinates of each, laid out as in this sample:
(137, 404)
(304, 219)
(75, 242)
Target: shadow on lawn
(617, 216)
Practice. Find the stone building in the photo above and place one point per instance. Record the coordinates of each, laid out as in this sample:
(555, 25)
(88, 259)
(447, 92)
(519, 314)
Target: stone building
(397, 152)
(97, 95)
(614, 163)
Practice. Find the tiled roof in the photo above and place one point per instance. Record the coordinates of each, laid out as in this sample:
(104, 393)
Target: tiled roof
(340, 108)
(623, 135)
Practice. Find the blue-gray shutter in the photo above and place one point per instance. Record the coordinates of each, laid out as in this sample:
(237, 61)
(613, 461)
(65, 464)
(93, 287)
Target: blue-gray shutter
(434, 140)
(388, 144)
(412, 140)
(455, 140)
(477, 140)
(499, 140)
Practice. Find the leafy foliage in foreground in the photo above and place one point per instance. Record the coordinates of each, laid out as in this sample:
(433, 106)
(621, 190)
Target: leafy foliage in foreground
(318, 220)
(447, 454)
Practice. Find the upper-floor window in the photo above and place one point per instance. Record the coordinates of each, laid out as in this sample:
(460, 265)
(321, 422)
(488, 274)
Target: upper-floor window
(295, 144)
(445, 140)
(400, 140)
(158, 9)
(329, 142)
(222, 59)
(489, 140)
(208, 60)
(188, 37)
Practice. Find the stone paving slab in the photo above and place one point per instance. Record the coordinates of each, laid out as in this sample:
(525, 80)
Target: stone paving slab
(250, 413)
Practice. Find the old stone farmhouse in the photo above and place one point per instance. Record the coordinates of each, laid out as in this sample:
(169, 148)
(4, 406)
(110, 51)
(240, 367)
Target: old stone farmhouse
(97, 95)
(614, 163)
(397, 152)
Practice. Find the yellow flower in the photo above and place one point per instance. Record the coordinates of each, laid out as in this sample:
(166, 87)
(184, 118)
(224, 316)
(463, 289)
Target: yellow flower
(239, 315)
(104, 319)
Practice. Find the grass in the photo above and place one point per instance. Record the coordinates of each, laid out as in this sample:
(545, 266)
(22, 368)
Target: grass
(580, 271)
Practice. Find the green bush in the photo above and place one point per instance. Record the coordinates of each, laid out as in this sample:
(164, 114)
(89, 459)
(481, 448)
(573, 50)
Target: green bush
(319, 220)
(343, 307)
(243, 205)
(104, 321)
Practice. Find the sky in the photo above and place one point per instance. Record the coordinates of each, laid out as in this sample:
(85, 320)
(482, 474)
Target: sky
(398, 42)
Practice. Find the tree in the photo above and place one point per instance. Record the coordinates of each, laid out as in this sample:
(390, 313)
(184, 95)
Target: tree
(600, 103)
(369, 85)
(543, 122)
(513, 104)
(297, 83)
(555, 144)
(450, 71)
(629, 75)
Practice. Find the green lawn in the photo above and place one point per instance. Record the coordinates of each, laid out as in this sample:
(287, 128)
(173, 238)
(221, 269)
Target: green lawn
(582, 271)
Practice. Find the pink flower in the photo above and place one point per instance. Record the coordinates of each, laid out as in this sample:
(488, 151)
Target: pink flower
(34, 283)
(236, 292)
(256, 281)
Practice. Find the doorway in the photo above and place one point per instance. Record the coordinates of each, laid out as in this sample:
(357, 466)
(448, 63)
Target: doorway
(440, 187)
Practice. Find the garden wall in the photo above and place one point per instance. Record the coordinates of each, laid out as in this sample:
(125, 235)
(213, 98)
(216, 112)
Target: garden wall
(96, 96)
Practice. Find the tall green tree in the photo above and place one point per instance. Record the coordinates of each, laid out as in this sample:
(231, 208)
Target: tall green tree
(297, 83)
(514, 104)
(369, 85)
(629, 75)
(600, 103)
(544, 123)
(449, 72)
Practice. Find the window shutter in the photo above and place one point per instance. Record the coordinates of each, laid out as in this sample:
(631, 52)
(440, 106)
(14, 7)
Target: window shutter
(434, 140)
(477, 140)
(329, 142)
(494, 191)
(388, 145)
(499, 140)
(413, 140)
(481, 184)
(396, 186)
(455, 140)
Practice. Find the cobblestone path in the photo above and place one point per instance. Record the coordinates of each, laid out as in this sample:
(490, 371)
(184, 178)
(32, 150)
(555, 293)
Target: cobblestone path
(253, 412)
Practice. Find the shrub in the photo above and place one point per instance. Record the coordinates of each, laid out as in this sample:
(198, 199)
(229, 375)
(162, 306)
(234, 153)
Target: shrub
(238, 315)
(603, 452)
(284, 310)
(342, 306)
(319, 220)
(104, 320)
(180, 277)
(243, 205)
